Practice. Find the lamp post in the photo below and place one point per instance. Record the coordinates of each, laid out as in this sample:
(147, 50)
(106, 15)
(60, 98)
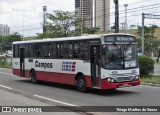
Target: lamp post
(116, 16)
(22, 10)
(126, 5)
(44, 19)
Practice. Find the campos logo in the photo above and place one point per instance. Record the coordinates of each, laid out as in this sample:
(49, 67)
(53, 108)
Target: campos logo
(43, 64)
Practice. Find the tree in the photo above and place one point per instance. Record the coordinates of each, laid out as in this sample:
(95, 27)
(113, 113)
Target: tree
(150, 40)
(90, 30)
(64, 24)
(6, 41)
(60, 23)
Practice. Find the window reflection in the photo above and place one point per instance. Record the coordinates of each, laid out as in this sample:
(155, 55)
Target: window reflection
(119, 56)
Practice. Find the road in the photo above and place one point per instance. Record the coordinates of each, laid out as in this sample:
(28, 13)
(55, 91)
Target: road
(130, 96)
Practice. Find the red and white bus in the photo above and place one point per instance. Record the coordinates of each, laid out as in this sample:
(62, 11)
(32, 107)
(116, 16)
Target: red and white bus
(95, 61)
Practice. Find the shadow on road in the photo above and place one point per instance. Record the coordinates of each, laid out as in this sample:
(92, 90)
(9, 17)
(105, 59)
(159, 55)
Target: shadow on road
(116, 92)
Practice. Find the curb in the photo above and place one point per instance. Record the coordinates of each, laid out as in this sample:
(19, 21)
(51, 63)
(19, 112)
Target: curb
(150, 84)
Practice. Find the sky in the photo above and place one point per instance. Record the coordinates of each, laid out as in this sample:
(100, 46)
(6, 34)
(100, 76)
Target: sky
(27, 15)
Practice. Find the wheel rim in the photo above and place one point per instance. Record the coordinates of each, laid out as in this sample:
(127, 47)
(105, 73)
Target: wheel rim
(81, 83)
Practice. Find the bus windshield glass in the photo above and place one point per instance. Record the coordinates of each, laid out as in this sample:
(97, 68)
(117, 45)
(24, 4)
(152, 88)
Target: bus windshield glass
(119, 56)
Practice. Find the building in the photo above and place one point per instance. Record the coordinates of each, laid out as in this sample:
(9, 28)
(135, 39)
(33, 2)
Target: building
(4, 30)
(100, 9)
(84, 10)
(102, 14)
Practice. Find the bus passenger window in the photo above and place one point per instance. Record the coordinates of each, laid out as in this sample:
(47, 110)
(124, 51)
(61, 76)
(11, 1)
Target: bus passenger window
(76, 50)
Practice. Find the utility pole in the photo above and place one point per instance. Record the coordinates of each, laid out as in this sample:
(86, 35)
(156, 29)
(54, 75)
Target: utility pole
(116, 16)
(82, 25)
(143, 33)
(23, 11)
(125, 5)
(44, 19)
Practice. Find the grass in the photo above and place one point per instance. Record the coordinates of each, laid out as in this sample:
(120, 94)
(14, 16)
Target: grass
(157, 62)
(4, 64)
(151, 79)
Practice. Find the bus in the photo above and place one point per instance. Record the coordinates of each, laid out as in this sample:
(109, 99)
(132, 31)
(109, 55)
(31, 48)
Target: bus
(107, 61)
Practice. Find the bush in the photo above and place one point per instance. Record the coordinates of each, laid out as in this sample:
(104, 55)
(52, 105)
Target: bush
(146, 65)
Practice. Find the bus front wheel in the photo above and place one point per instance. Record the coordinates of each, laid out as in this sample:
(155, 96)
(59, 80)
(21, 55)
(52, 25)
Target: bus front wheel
(33, 77)
(81, 84)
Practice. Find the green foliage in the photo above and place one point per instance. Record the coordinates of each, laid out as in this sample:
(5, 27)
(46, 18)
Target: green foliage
(151, 79)
(6, 41)
(146, 65)
(89, 30)
(64, 24)
(150, 42)
(60, 23)
(4, 63)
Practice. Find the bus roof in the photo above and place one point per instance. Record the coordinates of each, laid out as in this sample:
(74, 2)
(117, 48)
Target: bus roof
(69, 38)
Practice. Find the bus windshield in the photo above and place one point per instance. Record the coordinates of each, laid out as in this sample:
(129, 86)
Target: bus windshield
(119, 56)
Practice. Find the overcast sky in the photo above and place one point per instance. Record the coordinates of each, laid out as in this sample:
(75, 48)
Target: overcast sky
(17, 13)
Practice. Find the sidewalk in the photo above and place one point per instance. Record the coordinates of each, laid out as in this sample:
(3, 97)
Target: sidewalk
(9, 98)
(156, 69)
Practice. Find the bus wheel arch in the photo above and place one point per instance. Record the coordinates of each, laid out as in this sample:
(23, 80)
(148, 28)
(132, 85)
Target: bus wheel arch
(33, 76)
(80, 82)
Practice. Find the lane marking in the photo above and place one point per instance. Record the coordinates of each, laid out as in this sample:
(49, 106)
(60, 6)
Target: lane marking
(68, 104)
(5, 73)
(5, 87)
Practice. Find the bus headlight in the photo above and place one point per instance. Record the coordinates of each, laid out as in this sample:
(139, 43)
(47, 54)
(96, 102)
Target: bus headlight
(136, 77)
(110, 80)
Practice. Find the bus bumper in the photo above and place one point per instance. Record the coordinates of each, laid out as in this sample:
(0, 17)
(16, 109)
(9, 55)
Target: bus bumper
(107, 85)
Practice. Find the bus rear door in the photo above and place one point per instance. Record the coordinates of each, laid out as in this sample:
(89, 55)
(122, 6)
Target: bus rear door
(22, 56)
(95, 65)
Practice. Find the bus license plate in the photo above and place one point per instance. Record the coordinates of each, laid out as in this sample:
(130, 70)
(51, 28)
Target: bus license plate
(125, 85)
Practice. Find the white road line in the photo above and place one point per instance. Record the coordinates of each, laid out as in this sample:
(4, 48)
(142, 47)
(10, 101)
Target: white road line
(68, 104)
(5, 73)
(5, 87)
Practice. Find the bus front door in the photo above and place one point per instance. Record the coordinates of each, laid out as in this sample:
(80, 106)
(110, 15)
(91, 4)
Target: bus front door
(22, 56)
(95, 65)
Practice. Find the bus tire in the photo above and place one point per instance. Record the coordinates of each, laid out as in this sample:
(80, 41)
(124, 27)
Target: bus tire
(33, 77)
(81, 84)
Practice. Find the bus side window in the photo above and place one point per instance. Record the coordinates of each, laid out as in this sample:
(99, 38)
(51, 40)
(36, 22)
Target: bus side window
(76, 50)
(83, 51)
(70, 50)
(16, 51)
(33, 50)
(61, 50)
(53, 50)
(65, 50)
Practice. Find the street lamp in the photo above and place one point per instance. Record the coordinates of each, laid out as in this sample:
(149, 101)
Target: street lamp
(125, 5)
(22, 10)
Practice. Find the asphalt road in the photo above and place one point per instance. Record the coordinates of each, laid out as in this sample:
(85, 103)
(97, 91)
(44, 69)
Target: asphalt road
(129, 96)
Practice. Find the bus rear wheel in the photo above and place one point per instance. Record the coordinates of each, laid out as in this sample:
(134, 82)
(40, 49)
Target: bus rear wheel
(81, 84)
(33, 77)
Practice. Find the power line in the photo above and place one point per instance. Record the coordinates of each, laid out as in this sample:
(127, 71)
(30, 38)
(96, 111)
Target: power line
(27, 29)
(109, 14)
